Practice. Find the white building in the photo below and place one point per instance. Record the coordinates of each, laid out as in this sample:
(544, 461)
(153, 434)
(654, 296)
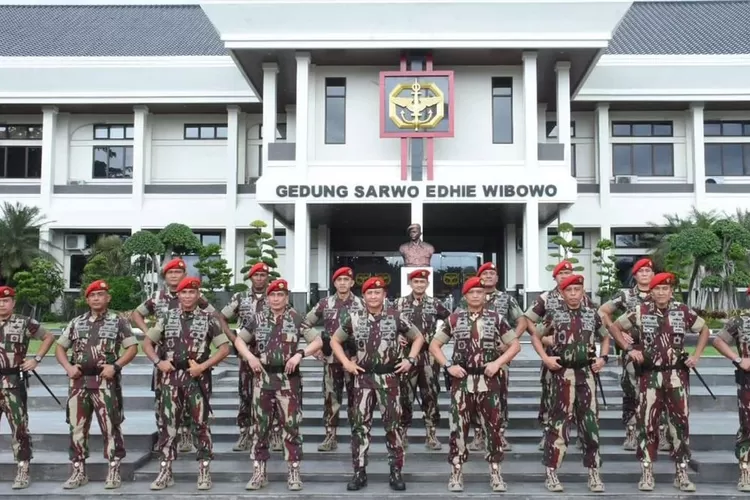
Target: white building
(115, 119)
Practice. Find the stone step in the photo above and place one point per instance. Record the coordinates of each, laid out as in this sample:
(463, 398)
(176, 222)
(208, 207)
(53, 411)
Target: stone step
(55, 466)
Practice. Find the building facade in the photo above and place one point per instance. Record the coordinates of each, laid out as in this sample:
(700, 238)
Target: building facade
(154, 113)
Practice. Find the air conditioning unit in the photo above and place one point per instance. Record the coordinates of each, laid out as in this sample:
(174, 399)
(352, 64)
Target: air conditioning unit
(626, 179)
(75, 242)
(715, 180)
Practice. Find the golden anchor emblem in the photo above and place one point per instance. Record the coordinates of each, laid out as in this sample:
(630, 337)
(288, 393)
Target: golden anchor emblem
(416, 110)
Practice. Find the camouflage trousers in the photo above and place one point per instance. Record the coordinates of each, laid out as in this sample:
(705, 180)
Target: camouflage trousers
(742, 444)
(287, 404)
(544, 402)
(245, 389)
(573, 399)
(659, 391)
(424, 376)
(387, 399)
(335, 378)
(487, 408)
(82, 405)
(174, 401)
(182, 420)
(13, 406)
(629, 384)
(475, 422)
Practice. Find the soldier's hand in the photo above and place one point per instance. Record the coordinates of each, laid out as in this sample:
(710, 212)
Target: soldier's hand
(29, 365)
(196, 369)
(353, 368)
(292, 363)
(165, 366)
(636, 356)
(598, 365)
(404, 366)
(74, 372)
(552, 363)
(691, 361)
(255, 365)
(627, 338)
(319, 356)
(402, 341)
(457, 371)
(548, 341)
(108, 372)
(745, 364)
(492, 368)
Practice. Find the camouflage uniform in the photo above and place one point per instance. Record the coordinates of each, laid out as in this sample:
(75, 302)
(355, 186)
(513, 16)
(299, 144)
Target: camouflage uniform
(423, 314)
(507, 306)
(478, 337)
(95, 341)
(15, 333)
(573, 390)
(185, 336)
(275, 391)
(664, 380)
(245, 305)
(332, 310)
(378, 353)
(159, 303)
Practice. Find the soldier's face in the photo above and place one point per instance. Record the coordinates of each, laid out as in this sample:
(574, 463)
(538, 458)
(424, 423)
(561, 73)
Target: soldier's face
(173, 277)
(343, 284)
(6, 306)
(562, 275)
(644, 275)
(259, 280)
(374, 298)
(188, 298)
(573, 296)
(476, 297)
(489, 278)
(278, 300)
(419, 285)
(662, 294)
(414, 233)
(98, 300)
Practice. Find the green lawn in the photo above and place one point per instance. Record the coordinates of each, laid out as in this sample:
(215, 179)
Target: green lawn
(708, 351)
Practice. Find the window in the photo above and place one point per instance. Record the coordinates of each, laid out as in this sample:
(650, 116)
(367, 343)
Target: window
(577, 236)
(636, 240)
(642, 129)
(20, 132)
(113, 132)
(727, 159)
(335, 131)
(726, 129)
(279, 234)
(647, 160)
(205, 239)
(197, 132)
(20, 162)
(551, 127)
(113, 162)
(502, 110)
(77, 263)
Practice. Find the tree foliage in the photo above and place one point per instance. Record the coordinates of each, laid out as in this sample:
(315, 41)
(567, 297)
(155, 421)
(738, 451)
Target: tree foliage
(19, 239)
(179, 239)
(214, 271)
(609, 282)
(109, 261)
(145, 250)
(39, 288)
(567, 248)
(261, 247)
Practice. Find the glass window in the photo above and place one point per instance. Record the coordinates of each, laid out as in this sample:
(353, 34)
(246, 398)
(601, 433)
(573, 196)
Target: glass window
(113, 132)
(643, 159)
(732, 129)
(20, 162)
(727, 159)
(113, 162)
(621, 129)
(20, 132)
(635, 240)
(335, 111)
(205, 131)
(711, 129)
(579, 237)
(77, 263)
(621, 159)
(279, 234)
(502, 110)
(642, 129)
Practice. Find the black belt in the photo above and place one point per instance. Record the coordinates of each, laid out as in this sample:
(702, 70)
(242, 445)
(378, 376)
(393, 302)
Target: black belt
(91, 371)
(184, 364)
(10, 371)
(474, 370)
(380, 369)
(575, 365)
(276, 369)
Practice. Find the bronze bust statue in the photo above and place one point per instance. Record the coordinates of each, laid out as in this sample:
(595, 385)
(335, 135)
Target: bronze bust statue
(416, 253)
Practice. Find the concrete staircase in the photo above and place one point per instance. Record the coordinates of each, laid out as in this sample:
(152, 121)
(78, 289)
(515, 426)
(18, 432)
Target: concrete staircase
(713, 426)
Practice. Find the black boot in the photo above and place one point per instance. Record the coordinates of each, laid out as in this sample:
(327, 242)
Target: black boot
(359, 480)
(396, 480)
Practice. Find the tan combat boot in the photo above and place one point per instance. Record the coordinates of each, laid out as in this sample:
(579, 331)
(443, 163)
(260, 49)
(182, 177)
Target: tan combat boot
(595, 481)
(259, 479)
(243, 443)
(78, 478)
(630, 443)
(277, 442)
(456, 481)
(647, 477)
(504, 442)
(22, 479)
(329, 442)
(431, 441)
(294, 479)
(186, 440)
(744, 482)
(405, 437)
(551, 482)
(164, 479)
(114, 480)
(204, 475)
(496, 479)
(663, 441)
(478, 443)
(681, 480)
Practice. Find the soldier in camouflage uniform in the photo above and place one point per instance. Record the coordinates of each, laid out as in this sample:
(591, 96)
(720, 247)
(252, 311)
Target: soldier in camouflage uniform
(277, 331)
(423, 312)
(575, 328)
(162, 301)
(376, 377)
(15, 333)
(477, 378)
(662, 366)
(508, 308)
(736, 332)
(95, 386)
(542, 306)
(332, 310)
(627, 300)
(185, 364)
(245, 305)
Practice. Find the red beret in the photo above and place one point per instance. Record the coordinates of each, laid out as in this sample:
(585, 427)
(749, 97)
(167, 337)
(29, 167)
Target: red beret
(97, 285)
(373, 283)
(642, 263)
(343, 271)
(562, 266)
(574, 279)
(189, 283)
(278, 285)
(473, 282)
(6, 291)
(661, 279)
(487, 266)
(260, 267)
(418, 273)
(177, 263)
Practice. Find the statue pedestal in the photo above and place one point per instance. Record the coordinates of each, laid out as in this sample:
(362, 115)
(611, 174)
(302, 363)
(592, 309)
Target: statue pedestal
(405, 288)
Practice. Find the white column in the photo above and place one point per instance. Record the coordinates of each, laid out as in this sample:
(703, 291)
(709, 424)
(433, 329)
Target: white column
(531, 246)
(530, 109)
(417, 214)
(288, 271)
(232, 166)
(541, 128)
(303, 113)
(301, 283)
(291, 123)
(699, 158)
(270, 75)
(604, 156)
(510, 256)
(49, 136)
(61, 171)
(140, 126)
(563, 107)
(324, 277)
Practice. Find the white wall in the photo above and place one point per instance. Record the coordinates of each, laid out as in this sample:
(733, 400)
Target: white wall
(79, 133)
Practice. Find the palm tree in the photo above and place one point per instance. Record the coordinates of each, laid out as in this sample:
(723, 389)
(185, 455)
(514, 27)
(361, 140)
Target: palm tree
(19, 238)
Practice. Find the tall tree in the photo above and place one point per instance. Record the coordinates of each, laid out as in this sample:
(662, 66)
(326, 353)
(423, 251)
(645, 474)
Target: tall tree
(39, 287)
(567, 248)
(19, 239)
(261, 247)
(179, 239)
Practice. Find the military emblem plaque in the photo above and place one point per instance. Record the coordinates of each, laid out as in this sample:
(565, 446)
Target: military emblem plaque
(416, 104)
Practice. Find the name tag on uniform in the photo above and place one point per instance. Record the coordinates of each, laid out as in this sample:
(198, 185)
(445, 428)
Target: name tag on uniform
(108, 330)
(173, 328)
(588, 321)
(388, 328)
(677, 322)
